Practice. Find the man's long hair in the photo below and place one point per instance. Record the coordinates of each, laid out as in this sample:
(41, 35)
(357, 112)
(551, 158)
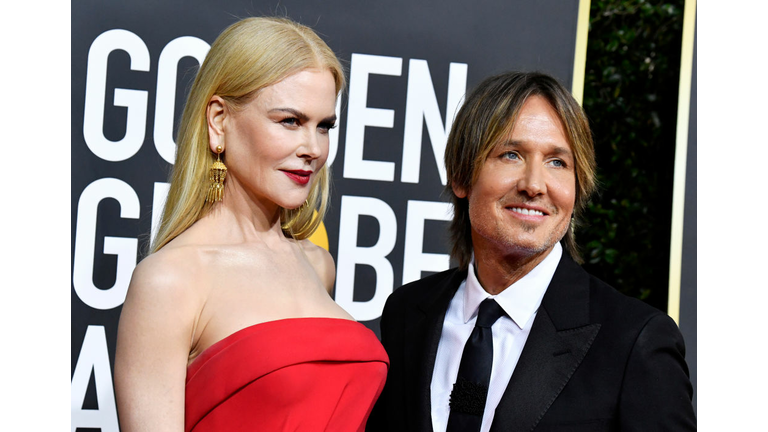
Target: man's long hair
(488, 114)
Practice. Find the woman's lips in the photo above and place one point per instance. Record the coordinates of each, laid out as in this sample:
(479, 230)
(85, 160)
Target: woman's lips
(299, 176)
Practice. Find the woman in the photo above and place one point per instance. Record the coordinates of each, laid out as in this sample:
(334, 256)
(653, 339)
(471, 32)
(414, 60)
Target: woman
(228, 324)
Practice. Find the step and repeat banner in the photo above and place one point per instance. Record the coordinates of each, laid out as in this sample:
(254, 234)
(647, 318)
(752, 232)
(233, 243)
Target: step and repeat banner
(688, 262)
(409, 65)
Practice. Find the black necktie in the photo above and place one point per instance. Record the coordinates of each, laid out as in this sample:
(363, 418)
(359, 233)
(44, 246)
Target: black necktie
(471, 388)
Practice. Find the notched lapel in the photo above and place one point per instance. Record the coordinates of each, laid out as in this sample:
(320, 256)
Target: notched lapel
(560, 338)
(545, 366)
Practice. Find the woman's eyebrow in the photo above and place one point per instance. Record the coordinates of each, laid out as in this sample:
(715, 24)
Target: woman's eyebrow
(296, 113)
(303, 117)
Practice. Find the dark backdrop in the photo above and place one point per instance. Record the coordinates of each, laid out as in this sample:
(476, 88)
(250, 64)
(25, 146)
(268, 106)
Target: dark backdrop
(132, 64)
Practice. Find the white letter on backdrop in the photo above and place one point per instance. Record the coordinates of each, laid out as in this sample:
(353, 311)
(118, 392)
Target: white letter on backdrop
(352, 207)
(165, 102)
(359, 116)
(94, 357)
(333, 134)
(414, 259)
(421, 103)
(85, 243)
(159, 195)
(95, 96)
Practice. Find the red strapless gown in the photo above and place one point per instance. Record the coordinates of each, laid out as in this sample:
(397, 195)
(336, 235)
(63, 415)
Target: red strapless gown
(297, 374)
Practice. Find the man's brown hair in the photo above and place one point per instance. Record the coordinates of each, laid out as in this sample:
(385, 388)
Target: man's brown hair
(489, 113)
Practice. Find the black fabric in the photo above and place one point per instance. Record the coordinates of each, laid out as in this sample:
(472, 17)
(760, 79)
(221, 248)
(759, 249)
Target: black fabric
(594, 360)
(471, 389)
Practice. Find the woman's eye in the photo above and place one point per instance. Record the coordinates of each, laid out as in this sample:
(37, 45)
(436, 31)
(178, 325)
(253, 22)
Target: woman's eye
(291, 121)
(325, 127)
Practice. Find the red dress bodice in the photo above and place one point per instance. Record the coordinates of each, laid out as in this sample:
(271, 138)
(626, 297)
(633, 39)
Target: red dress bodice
(297, 374)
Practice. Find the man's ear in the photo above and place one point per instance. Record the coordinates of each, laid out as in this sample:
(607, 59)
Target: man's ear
(459, 191)
(216, 115)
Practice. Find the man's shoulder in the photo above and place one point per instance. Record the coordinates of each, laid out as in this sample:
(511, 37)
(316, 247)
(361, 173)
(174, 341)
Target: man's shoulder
(421, 288)
(432, 280)
(607, 301)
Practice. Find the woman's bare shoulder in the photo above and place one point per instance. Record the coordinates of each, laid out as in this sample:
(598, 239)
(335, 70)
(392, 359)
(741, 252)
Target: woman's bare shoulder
(155, 332)
(171, 274)
(322, 261)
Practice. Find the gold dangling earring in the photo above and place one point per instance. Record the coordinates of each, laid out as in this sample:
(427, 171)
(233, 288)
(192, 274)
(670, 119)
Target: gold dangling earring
(218, 173)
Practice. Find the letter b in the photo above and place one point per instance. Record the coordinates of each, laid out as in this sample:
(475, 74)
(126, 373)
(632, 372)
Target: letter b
(350, 254)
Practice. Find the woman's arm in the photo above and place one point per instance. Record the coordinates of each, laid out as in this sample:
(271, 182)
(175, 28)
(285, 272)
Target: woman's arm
(153, 345)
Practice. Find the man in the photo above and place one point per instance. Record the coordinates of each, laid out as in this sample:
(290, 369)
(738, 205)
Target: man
(519, 337)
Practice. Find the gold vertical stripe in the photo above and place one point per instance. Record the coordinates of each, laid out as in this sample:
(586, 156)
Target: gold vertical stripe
(580, 56)
(681, 153)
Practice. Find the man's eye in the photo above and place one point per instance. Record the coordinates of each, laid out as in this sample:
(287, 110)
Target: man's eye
(558, 163)
(511, 155)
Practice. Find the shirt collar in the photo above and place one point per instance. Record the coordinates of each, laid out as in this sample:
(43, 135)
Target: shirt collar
(521, 299)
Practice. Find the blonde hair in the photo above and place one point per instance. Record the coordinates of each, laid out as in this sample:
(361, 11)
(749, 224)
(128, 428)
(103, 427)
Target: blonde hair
(249, 55)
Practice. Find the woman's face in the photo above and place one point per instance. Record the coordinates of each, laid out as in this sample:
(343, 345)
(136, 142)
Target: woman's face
(277, 143)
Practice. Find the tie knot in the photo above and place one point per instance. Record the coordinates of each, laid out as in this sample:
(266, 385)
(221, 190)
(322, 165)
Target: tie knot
(489, 312)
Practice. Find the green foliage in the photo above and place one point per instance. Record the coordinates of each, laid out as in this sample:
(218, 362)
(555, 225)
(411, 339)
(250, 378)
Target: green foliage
(630, 97)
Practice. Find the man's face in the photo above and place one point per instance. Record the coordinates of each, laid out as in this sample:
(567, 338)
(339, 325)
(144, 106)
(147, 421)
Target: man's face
(522, 201)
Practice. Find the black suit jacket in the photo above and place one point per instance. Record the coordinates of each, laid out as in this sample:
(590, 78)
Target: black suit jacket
(595, 360)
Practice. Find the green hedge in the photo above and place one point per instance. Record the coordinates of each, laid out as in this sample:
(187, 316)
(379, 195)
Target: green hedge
(630, 97)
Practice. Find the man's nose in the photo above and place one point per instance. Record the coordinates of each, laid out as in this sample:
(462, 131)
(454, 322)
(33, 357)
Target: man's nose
(532, 182)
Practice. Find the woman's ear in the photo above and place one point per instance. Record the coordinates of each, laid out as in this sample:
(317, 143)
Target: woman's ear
(216, 115)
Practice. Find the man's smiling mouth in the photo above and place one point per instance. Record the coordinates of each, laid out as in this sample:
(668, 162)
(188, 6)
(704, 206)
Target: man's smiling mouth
(526, 212)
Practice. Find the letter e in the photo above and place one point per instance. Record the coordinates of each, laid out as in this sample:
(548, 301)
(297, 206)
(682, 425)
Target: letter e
(414, 259)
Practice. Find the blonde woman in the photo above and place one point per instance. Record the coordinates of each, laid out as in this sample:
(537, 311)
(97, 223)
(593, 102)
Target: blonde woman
(228, 324)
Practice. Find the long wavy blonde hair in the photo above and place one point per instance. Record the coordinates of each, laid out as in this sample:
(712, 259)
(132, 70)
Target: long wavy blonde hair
(249, 55)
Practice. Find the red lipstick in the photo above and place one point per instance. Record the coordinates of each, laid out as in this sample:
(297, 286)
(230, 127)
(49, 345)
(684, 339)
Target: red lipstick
(299, 176)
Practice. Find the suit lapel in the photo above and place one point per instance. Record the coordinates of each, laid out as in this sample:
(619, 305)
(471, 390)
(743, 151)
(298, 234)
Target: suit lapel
(425, 328)
(560, 338)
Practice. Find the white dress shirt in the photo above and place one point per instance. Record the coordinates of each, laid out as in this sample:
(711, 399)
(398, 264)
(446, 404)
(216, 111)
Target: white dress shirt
(520, 301)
